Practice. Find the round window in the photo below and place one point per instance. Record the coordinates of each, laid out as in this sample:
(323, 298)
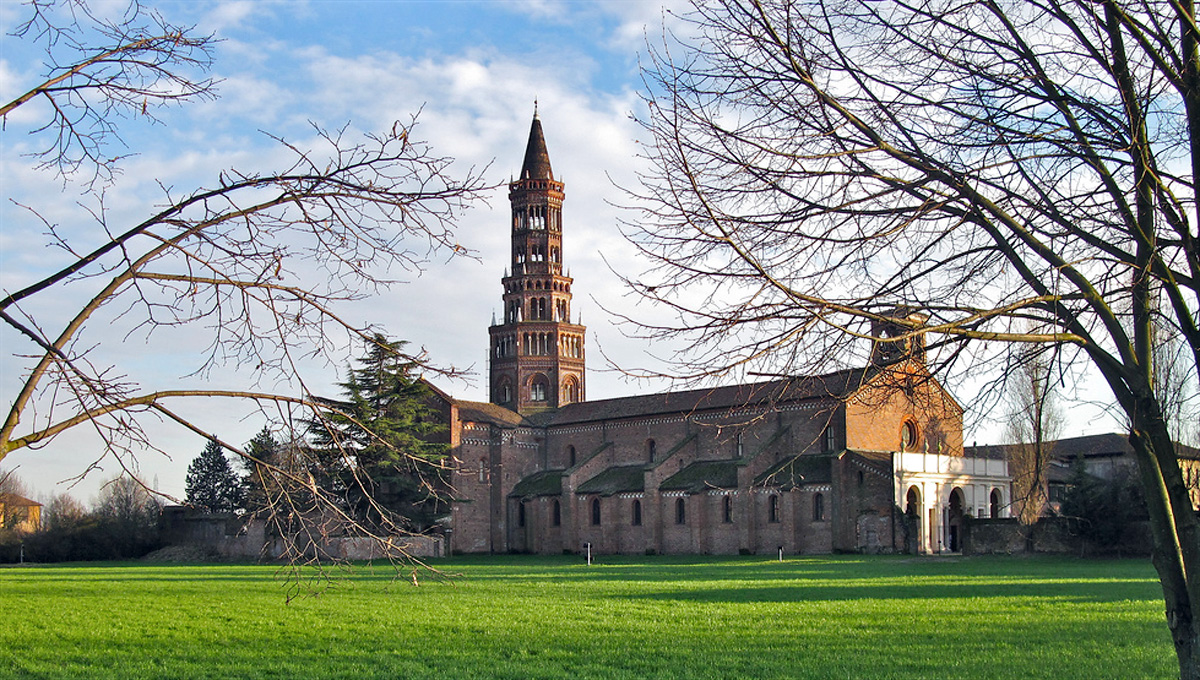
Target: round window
(908, 436)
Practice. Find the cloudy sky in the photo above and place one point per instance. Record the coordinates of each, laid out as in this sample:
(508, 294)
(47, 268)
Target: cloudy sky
(471, 69)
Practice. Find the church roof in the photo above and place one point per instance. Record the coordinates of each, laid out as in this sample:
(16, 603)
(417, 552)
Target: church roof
(795, 471)
(837, 384)
(544, 483)
(484, 412)
(703, 475)
(537, 159)
(614, 480)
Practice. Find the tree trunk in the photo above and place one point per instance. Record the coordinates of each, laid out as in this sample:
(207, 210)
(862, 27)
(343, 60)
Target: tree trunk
(1174, 528)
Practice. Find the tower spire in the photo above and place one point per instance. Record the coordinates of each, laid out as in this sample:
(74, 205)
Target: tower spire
(537, 159)
(537, 353)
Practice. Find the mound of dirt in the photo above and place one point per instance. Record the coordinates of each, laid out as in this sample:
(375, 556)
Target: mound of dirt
(183, 553)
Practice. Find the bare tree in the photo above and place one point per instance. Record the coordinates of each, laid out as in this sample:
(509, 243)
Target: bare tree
(99, 70)
(256, 263)
(1177, 384)
(1034, 421)
(994, 164)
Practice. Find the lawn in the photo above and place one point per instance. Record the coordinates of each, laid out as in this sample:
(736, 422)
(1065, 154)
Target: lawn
(660, 617)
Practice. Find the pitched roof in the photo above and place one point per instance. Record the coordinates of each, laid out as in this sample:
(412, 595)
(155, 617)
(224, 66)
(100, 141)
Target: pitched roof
(614, 480)
(703, 475)
(795, 471)
(484, 412)
(837, 384)
(544, 483)
(1088, 446)
(17, 501)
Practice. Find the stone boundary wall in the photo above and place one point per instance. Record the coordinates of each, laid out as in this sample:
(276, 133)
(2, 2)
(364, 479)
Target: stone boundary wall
(1051, 535)
(229, 536)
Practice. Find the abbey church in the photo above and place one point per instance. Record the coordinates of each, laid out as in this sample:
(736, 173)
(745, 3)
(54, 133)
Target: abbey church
(863, 460)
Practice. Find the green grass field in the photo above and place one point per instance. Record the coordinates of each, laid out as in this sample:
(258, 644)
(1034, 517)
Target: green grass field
(663, 617)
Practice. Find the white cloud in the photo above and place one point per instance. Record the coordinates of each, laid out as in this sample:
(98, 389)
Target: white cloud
(231, 14)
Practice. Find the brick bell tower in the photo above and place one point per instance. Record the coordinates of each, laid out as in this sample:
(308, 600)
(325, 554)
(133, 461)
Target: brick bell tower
(537, 357)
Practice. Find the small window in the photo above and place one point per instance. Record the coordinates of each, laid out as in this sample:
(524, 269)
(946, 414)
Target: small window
(861, 478)
(537, 391)
(651, 449)
(818, 507)
(556, 514)
(738, 445)
(830, 439)
(773, 509)
(521, 514)
(727, 510)
(908, 436)
(571, 456)
(680, 511)
(596, 511)
(637, 513)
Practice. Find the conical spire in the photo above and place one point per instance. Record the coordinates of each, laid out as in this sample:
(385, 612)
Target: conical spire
(537, 160)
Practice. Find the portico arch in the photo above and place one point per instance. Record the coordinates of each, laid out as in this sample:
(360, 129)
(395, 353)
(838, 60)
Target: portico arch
(954, 520)
(912, 516)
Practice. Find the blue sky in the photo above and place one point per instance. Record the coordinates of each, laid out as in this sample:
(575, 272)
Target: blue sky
(472, 69)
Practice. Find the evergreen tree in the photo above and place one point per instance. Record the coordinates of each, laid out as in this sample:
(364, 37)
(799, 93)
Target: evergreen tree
(211, 483)
(378, 443)
(258, 482)
(1101, 509)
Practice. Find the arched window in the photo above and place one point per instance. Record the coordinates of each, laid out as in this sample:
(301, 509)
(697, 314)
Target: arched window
(773, 508)
(556, 514)
(651, 450)
(596, 511)
(738, 445)
(727, 509)
(680, 511)
(861, 478)
(995, 504)
(571, 456)
(909, 436)
(637, 513)
(537, 390)
(818, 507)
(521, 514)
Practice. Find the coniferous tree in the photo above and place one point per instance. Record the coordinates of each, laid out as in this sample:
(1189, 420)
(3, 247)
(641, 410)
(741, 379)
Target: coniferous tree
(211, 483)
(258, 480)
(379, 444)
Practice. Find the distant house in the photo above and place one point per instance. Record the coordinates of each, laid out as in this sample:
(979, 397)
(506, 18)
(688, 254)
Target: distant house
(1104, 456)
(19, 514)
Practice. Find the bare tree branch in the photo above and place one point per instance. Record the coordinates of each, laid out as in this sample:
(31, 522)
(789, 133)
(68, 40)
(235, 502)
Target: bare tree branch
(997, 166)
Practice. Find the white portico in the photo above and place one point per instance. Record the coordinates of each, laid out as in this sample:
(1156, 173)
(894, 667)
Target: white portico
(937, 490)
